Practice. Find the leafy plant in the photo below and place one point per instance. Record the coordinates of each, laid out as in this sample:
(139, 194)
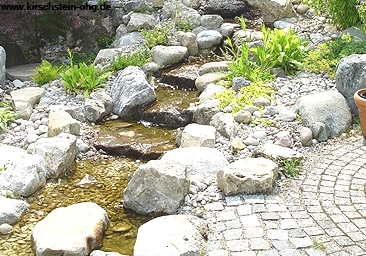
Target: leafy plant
(2, 168)
(291, 167)
(325, 58)
(46, 72)
(137, 58)
(105, 41)
(157, 36)
(83, 77)
(318, 245)
(7, 115)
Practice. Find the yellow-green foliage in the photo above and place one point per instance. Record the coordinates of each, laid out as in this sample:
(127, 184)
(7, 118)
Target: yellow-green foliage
(318, 62)
(46, 72)
(157, 36)
(245, 97)
(7, 115)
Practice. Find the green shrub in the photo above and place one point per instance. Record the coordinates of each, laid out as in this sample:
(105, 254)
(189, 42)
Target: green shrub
(83, 77)
(138, 58)
(46, 72)
(105, 41)
(344, 13)
(325, 58)
(7, 115)
(157, 36)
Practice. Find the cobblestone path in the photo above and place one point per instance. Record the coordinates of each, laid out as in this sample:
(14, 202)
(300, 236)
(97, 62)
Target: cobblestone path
(322, 213)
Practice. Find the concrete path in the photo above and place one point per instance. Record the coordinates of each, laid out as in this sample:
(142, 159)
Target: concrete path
(323, 212)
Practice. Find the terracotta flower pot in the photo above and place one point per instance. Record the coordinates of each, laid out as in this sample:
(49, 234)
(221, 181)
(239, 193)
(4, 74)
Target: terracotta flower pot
(360, 100)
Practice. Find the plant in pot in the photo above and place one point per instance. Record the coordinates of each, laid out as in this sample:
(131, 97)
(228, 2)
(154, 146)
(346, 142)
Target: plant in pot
(360, 100)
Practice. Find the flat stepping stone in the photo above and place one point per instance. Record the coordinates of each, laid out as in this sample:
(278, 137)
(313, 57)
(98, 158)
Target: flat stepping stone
(22, 72)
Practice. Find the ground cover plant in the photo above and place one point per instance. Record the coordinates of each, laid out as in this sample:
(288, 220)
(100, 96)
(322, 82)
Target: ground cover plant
(7, 115)
(137, 58)
(47, 72)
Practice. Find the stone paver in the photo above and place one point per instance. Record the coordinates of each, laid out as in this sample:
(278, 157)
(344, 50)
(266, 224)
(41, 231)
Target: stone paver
(323, 213)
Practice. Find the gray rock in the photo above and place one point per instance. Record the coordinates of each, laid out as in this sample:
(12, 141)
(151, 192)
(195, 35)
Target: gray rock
(105, 56)
(73, 230)
(212, 67)
(355, 32)
(24, 174)
(208, 78)
(140, 6)
(131, 93)
(350, 77)
(243, 116)
(250, 141)
(273, 10)
(239, 82)
(320, 131)
(200, 161)
(329, 108)
(141, 21)
(59, 153)
(227, 29)
(18, 84)
(277, 152)
(317, 38)
(260, 135)
(287, 115)
(225, 124)
(211, 90)
(211, 21)
(283, 138)
(178, 235)
(228, 10)
(208, 38)
(61, 121)
(166, 56)
(102, 253)
(198, 135)
(302, 8)
(306, 136)
(179, 10)
(249, 175)
(2, 65)
(5, 229)
(188, 40)
(204, 112)
(11, 211)
(98, 105)
(261, 102)
(270, 111)
(25, 99)
(128, 39)
(157, 187)
(251, 109)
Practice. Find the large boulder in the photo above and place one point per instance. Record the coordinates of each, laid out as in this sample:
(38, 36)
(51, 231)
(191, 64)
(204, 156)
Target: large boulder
(166, 56)
(249, 175)
(74, 230)
(141, 21)
(98, 105)
(2, 65)
(60, 121)
(208, 38)
(188, 39)
(323, 112)
(11, 210)
(200, 161)
(350, 77)
(228, 9)
(167, 115)
(273, 10)
(174, 235)
(157, 187)
(25, 99)
(22, 174)
(225, 124)
(204, 112)
(59, 153)
(131, 93)
(198, 135)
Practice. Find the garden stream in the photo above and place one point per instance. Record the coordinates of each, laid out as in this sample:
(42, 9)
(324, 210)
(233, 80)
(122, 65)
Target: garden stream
(111, 176)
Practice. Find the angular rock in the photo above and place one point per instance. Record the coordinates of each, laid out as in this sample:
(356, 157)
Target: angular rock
(59, 153)
(287, 115)
(239, 82)
(306, 136)
(200, 161)
(131, 39)
(24, 174)
(131, 93)
(198, 135)
(237, 144)
(105, 56)
(167, 116)
(61, 121)
(25, 99)
(98, 105)
(208, 38)
(2, 65)
(225, 124)
(178, 235)
(183, 77)
(277, 152)
(204, 112)
(212, 67)
(229, 9)
(273, 10)
(329, 108)
(188, 39)
(157, 187)
(350, 77)
(228, 29)
(73, 230)
(283, 138)
(166, 56)
(141, 21)
(210, 91)
(11, 210)
(211, 21)
(208, 78)
(249, 175)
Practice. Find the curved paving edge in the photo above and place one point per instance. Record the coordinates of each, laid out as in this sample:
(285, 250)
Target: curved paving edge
(323, 213)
